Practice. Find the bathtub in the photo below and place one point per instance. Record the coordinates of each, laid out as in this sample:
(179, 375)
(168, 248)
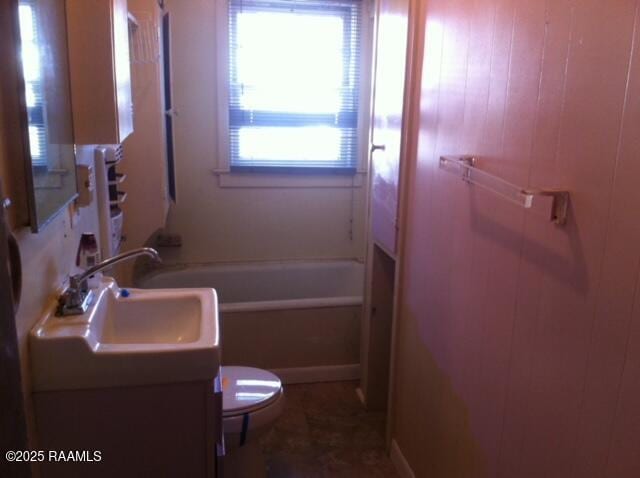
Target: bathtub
(299, 319)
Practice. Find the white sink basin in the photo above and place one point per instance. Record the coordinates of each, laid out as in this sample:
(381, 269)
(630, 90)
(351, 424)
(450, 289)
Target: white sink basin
(149, 337)
(160, 318)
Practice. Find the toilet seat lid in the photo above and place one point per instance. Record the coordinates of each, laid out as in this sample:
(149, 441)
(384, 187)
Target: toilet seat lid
(246, 388)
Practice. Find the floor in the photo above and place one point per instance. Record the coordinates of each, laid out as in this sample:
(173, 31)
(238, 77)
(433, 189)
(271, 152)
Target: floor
(326, 432)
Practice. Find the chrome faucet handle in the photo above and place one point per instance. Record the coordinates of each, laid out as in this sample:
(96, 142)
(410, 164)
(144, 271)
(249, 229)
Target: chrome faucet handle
(76, 299)
(75, 282)
(78, 288)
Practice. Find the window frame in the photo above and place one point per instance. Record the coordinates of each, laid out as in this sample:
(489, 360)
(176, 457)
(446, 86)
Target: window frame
(37, 114)
(278, 176)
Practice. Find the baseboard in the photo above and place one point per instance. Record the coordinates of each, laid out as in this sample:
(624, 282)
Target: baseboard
(400, 462)
(329, 373)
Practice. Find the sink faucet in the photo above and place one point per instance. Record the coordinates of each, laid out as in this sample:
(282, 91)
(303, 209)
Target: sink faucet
(78, 296)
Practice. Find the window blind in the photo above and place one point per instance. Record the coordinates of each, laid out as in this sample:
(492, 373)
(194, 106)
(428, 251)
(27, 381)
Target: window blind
(34, 88)
(294, 76)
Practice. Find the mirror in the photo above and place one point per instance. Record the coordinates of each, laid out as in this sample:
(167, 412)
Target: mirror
(47, 115)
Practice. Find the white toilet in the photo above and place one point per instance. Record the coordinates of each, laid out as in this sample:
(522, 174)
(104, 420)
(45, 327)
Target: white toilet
(252, 399)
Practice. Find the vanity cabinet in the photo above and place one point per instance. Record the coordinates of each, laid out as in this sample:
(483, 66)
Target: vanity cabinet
(134, 379)
(98, 35)
(152, 430)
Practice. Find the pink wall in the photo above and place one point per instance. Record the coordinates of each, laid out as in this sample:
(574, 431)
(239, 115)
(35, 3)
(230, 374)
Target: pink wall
(518, 350)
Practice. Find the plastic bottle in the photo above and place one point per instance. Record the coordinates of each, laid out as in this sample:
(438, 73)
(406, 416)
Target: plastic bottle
(88, 256)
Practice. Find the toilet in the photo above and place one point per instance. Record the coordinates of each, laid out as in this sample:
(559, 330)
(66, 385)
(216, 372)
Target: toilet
(252, 400)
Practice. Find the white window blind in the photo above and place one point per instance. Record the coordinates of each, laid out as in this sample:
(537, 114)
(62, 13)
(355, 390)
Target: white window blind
(294, 78)
(33, 79)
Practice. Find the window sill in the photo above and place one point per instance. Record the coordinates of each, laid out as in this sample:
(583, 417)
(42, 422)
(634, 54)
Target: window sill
(233, 179)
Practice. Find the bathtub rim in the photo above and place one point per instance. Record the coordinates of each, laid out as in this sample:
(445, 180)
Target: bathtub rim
(291, 304)
(265, 305)
(157, 269)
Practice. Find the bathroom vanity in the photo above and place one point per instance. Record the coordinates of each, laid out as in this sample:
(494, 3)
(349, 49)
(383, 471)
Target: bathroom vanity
(132, 385)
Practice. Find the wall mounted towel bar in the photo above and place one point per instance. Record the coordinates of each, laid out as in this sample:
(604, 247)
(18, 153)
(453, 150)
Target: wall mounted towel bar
(525, 197)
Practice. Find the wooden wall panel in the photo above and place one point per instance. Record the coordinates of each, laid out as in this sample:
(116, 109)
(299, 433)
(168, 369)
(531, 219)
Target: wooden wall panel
(519, 336)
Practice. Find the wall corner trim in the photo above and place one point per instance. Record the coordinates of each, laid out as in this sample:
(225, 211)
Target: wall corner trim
(400, 462)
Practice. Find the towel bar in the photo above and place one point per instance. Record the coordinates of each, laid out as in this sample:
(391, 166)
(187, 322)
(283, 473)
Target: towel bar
(525, 197)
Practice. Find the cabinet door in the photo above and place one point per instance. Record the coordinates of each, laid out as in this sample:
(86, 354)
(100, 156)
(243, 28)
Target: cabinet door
(389, 87)
(98, 32)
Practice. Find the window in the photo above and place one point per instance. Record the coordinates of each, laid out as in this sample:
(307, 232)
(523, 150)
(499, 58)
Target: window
(294, 77)
(32, 71)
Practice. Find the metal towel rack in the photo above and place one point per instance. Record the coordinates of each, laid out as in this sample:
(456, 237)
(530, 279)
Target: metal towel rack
(525, 197)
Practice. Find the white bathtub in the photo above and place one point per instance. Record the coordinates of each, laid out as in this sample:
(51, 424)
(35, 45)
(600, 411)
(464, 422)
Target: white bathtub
(301, 319)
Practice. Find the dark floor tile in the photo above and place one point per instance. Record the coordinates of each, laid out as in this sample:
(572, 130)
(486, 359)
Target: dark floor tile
(325, 432)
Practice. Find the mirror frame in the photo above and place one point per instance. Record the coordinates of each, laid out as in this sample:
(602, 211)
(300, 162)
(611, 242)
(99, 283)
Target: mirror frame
(35, 225)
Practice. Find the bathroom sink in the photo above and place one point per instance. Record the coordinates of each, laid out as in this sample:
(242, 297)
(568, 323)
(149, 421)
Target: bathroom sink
(161, 318)
(136, 337)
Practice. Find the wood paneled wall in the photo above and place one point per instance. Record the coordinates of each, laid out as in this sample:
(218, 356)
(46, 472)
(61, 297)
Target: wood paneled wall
(518, 351)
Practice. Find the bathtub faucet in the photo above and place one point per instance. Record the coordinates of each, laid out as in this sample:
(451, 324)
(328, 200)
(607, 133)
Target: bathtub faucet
(77, 298)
